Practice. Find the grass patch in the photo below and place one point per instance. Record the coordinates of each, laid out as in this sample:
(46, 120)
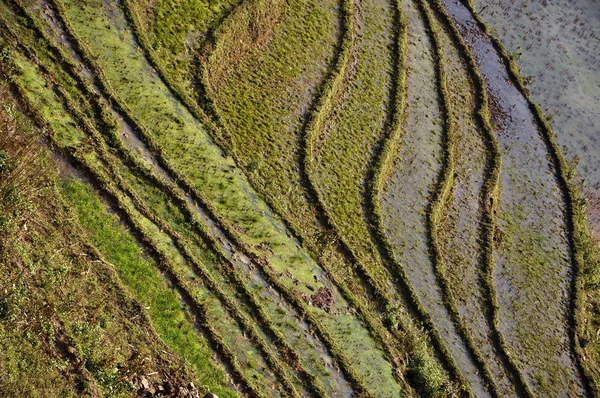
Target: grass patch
(176, 29)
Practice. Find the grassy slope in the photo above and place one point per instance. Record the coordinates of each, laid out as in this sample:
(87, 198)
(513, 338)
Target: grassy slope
(137, 271)
(68, 326)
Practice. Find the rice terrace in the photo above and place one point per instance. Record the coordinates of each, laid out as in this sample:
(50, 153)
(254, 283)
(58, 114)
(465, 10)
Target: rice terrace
(299, 198)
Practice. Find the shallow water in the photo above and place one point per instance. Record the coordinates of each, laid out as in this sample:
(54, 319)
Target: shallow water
(460, 230)
(559, 42)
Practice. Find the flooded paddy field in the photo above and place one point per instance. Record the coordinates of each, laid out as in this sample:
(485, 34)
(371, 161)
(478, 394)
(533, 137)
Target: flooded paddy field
(533, 268)
(557, 46)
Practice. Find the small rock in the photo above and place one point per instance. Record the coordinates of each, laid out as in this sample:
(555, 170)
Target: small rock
(211, 395)
(147, 386)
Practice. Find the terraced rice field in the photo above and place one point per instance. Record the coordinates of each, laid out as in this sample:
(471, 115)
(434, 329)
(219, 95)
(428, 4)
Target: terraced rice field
(327, 198)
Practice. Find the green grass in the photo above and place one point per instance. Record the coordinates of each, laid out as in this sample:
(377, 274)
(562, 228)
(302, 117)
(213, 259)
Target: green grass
(56, 106)
(176, 29)
(489, 195)
(156, 199)
(135, 269)
(172, 322)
